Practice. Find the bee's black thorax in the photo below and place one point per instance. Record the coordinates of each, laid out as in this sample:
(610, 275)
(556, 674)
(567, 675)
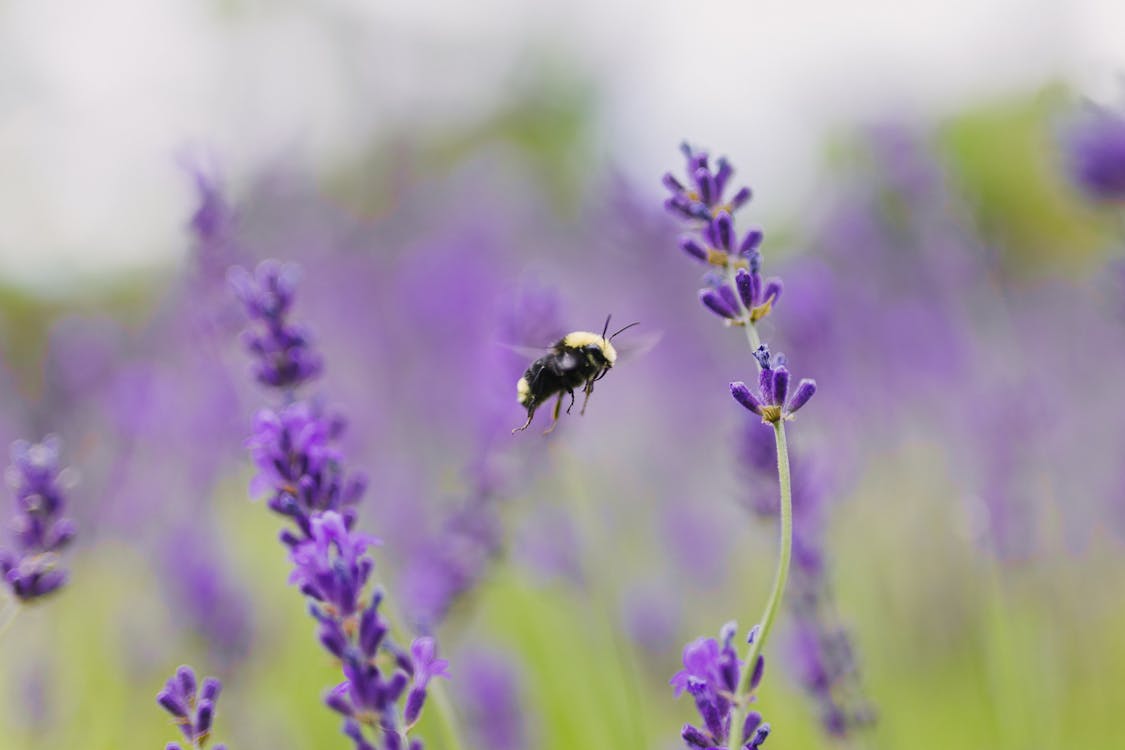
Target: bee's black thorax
(562, 370)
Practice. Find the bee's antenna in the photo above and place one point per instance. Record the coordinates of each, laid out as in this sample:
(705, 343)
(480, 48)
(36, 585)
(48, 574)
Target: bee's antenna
(626, 328)
(606, 326)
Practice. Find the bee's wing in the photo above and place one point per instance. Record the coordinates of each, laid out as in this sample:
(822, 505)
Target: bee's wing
(531, 353)
(637, 345)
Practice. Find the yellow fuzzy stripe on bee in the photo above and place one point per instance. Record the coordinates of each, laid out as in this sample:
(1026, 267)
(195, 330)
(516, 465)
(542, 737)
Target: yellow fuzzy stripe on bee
(523, 390)
(579, 339)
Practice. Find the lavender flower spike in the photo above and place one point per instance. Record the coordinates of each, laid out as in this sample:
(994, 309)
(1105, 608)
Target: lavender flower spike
(285, 358)
(191, 707)
(771, 403)
(711, 674)
(702, 196)
(40, 532)
(301, 468)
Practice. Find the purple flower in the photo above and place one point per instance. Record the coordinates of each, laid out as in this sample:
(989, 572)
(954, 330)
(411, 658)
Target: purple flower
(214, 223)
(40, 532)
(423, 653)
(701, 197)
(826, 668)
(490, 699)
(300, 467)
(209, 601)
(331, 566)
(773, 402)
(283, 350)
(711, 675)
(192, 706)
(1095, 154)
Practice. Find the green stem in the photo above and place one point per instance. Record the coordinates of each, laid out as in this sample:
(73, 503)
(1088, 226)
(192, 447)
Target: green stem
(774, 602)
(11, 610)
(752, 336)
(445, 714)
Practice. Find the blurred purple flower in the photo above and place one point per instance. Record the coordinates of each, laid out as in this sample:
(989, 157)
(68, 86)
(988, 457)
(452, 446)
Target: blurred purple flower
(208, 600)
(40, 531)
(192, 707)
(283, 352)
(489, 698)
(1094, 149)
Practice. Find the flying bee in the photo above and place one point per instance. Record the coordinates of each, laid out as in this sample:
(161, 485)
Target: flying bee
(577, 359)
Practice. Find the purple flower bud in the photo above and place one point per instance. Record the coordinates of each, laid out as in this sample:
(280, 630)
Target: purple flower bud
(780, 385)
(204, 715)
(695, 737)
(714, 302)
(211, 689)
(740, 199)
(396, 686)
(805, 390)
(353, 731)
(765, 386)
(743, 396)
(753, 721)
(773, 290)
(337, 700)
(723, 173)
(724, 231)
(414, 702)
(692, 247)
(672, 183)
(760, 735)
(753, 634)
(744, 280)
(762, 354)
(333, 639)
(185, 678)
(759, 670)
(751, 242)
(729, 297)
(172, 704)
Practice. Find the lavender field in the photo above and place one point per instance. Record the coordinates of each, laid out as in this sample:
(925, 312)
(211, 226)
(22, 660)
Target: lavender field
(856, 478)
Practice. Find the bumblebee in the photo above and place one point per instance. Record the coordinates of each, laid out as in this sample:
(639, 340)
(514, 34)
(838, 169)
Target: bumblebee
(577, 359)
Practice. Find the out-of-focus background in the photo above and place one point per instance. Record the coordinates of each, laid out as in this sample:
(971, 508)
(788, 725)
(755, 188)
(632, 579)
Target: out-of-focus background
(941, 191)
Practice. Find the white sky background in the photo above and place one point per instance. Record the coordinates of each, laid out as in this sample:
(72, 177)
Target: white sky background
(97, 98)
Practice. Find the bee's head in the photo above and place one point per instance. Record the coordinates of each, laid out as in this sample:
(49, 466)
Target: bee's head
(601, 353)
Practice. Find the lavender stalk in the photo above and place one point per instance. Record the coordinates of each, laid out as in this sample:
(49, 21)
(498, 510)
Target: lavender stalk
(742, 298)
(32, 569)
(301, 468)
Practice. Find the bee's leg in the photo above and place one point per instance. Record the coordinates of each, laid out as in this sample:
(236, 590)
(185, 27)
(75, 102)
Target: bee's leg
(589, 390)
(525, 425)
(555, 417)
(571, 393)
